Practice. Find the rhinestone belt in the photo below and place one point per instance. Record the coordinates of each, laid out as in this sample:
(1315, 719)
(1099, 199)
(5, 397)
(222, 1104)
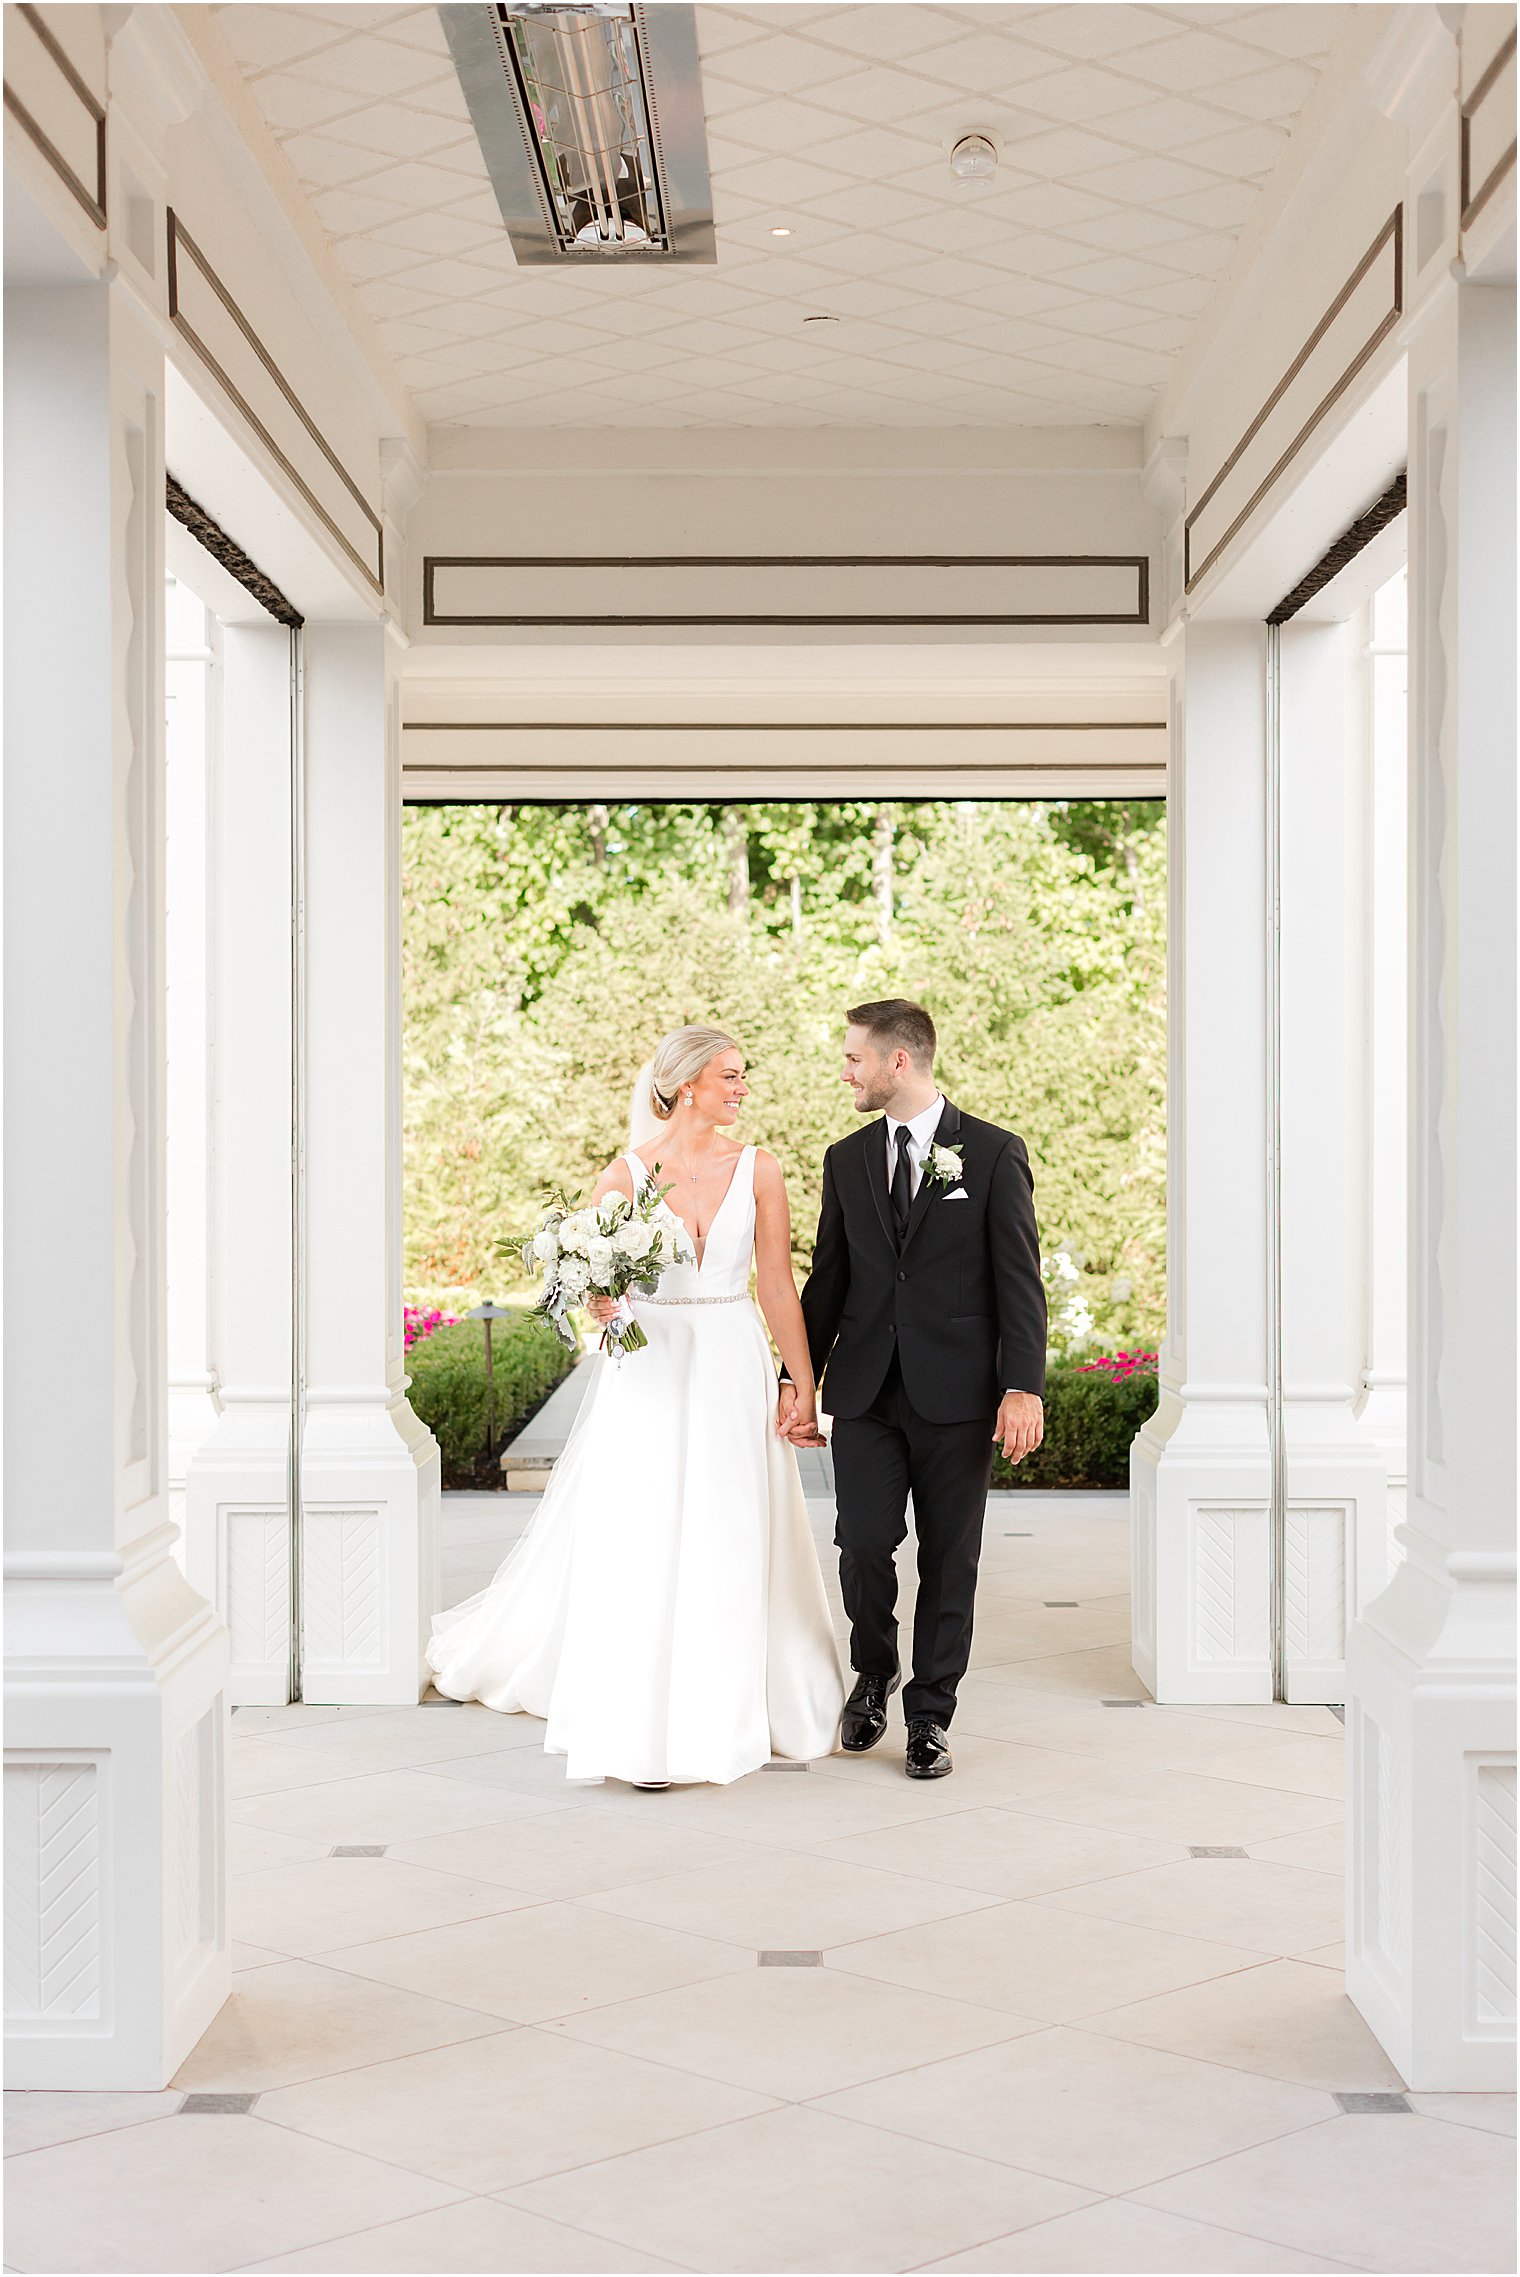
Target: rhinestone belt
(741, 1299)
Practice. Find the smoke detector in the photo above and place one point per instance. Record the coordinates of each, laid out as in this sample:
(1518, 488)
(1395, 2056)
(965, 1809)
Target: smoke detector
(974, 158)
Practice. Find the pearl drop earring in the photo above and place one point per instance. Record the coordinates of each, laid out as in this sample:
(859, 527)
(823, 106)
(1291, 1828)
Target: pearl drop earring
(688, 1096)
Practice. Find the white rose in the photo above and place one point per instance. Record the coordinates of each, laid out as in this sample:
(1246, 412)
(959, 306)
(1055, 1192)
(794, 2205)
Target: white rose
(635, 1240)
(546, 1246)
(572, 1237)
(573, 1278)
(599, 1254)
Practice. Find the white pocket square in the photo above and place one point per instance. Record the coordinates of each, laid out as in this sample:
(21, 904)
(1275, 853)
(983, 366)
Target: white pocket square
(958, 1194)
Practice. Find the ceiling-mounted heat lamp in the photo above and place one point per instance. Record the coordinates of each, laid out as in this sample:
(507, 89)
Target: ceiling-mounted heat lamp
(590, 121)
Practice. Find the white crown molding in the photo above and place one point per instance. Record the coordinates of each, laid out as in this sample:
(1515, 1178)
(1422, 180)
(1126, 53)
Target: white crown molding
(1412, 72)
(768, 451)
(1163, 480)
(152, 44)
(403, 472)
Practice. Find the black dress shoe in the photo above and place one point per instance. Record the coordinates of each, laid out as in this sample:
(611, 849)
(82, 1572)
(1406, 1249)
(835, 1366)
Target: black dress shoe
(865, 1712)
(928, 1755)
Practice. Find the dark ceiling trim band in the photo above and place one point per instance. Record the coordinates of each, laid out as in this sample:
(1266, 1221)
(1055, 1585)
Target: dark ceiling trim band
(763, 798)
(1139, 563)
(1503, 166)
(180, 241)
(414, 772)
(213, 539)
(784, 726)
(94, 206)
(1391, 231)
(1347, 546)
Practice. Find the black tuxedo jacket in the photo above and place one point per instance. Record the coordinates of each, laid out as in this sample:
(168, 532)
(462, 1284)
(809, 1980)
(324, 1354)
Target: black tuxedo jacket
(961, 1303)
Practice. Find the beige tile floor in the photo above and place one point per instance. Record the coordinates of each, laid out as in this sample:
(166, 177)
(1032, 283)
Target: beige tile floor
(1021, 2027)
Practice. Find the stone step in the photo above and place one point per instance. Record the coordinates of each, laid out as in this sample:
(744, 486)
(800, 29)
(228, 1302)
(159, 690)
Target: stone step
(528, 1460)
(542, 1438)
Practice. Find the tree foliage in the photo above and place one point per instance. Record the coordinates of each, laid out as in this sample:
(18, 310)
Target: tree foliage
(548, 948)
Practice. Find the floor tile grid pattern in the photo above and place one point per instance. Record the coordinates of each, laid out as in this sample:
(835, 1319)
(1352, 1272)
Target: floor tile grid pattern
(554, 2027)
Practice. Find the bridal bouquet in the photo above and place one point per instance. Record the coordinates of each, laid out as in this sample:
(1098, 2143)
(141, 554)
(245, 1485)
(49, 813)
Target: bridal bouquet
(604, 1250)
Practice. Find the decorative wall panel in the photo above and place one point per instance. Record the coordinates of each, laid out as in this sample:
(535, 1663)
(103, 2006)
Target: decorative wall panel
(1360, 317)
(195, 1837)
(1488, 113)
(53, 1926)
(1431, 919)
(1389, 1802)
(1230, 1585)
(344, 1585)
(257, 1556)
(1143, 1529)
(141, 979)
(1493, 1928)
(51, 99)
(635, 758)
(1315, 1585)
(533, 591)
(206, 313)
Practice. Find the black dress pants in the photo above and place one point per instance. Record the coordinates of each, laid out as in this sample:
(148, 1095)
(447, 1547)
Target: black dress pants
(880, 1458)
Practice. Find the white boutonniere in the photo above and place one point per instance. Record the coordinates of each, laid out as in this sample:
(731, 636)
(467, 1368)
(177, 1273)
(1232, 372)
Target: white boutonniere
(943, 1167)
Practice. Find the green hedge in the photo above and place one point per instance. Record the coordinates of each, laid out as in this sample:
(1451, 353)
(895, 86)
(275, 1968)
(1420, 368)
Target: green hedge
(1089, 1423)
(1089, 1418)
(448, 1372)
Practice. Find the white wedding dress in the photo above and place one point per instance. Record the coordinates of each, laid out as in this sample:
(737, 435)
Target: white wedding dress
(665, 1612)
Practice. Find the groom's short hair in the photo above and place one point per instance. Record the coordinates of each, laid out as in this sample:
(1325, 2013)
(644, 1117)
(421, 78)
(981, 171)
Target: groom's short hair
(898, 1025)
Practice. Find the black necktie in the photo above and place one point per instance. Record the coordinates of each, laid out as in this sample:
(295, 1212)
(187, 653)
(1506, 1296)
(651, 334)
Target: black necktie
(902, 1180)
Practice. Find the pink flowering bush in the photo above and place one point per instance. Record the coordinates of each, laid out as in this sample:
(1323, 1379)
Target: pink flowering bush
(1120, 1366)
(1093, 1408)
(419, 1321)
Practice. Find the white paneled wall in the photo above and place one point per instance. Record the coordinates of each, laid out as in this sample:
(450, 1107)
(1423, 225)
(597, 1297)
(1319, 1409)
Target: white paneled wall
(116, 1948)
(1430, 1703)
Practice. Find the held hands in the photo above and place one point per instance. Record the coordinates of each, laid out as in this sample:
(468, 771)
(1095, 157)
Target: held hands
(1020, 1425)
(797, 1418)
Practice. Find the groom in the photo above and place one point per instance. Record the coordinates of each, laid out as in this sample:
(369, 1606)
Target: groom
(926, 1307)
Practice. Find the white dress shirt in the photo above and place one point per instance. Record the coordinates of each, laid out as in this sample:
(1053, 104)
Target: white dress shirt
(920, 1138)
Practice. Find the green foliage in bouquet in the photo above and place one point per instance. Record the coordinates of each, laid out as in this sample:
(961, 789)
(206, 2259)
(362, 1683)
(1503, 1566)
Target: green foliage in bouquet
(613, 1248)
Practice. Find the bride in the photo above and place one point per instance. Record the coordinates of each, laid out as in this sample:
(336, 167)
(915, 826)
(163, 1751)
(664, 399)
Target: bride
(665, 1613)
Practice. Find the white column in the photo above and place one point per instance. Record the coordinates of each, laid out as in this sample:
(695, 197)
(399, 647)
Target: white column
(370, 1471)
(115, 1928)
(1336, 1538)
(1200, 1470)
(1430, 1666)
(237, 1511)
(1387, 949)
(191, 708)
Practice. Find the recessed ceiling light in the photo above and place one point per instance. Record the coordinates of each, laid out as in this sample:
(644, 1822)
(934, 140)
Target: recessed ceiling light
(781, 233)
(974, 158)
(820, 320)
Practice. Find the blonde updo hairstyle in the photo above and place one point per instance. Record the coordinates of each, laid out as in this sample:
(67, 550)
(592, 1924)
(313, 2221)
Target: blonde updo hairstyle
(679, 1059)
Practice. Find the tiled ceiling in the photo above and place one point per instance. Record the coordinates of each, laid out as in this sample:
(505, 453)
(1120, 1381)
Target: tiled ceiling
(1135, 141)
